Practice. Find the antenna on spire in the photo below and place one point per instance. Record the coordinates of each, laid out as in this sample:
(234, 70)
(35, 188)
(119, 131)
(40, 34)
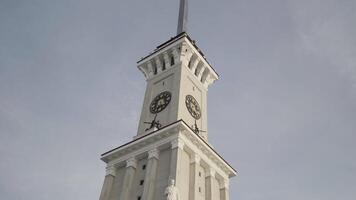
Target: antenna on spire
(183, 17)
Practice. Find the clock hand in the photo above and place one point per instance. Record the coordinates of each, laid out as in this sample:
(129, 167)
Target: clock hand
(196, 129)
(154, 123)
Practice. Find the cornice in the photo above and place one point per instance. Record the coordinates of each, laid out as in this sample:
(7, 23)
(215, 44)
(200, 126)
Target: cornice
(165, 136)
(184, 50)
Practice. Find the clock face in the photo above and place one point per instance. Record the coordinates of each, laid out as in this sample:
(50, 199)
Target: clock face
(160, 102)
(193, 107)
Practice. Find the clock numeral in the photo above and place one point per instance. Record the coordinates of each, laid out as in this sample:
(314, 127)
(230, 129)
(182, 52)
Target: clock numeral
(160, 102)
(193, 107)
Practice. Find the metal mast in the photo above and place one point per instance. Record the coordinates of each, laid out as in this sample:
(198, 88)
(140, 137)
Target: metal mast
(183, 17)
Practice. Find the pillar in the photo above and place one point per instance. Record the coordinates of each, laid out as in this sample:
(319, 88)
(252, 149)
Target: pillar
(131, 165)
(108, 183)
(224, 190)
(210, 184)
(176, 153)
(194, 176)
(150, 177)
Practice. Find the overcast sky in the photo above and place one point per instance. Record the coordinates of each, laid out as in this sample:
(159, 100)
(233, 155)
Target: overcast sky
(283, 112)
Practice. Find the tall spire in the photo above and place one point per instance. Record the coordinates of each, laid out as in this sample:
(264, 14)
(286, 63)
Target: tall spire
(183, 17)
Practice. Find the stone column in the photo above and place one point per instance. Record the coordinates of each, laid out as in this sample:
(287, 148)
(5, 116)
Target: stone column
(108, 182)
(150, 177)
(194, 176)
(131, 165)
(177, 148)
(210, 184)
(224, 190)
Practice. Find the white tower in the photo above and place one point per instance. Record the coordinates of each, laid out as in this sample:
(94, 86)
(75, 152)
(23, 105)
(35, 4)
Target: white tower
(170, 157)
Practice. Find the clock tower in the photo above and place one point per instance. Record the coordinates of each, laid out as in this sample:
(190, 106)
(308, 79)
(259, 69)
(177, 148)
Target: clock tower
(170, 157)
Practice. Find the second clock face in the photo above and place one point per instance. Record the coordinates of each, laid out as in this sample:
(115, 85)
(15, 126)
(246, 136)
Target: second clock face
(160, 102)
(193, 106)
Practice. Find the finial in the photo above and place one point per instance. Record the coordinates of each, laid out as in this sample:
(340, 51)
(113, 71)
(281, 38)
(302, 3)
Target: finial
(183, 17)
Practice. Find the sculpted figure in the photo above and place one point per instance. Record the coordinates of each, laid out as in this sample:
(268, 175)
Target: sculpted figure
(172, 191)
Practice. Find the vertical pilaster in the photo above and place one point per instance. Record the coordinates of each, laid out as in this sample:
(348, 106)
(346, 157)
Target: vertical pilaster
(108, 182)
(210, 184)
(224, 190)
(194, 176)
(176, 53)
(150, 68)
(166, 60)
(159, 64)
(200, 74)
(195, 64)
(150, 177)
(177, 148)
(186, 54)
(131, 165)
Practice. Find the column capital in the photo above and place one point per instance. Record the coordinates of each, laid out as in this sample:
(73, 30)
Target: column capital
(131, 162)
(110, 170)
(153, 153)
(224, 184)
(177, 143)
(210, 172)
(194, 158)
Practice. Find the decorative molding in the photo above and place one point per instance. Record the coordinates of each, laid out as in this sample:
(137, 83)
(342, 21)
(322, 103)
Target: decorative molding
(110, 170)
(175, 135)
(224, 184)
(177, 143)
(153, 153)
(210, 156)
(184, 51)
(155, 144)
(210, 172)
(131, 162)
(194, 158)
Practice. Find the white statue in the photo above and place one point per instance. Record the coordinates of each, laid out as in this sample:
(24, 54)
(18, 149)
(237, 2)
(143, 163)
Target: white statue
(172, 191)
